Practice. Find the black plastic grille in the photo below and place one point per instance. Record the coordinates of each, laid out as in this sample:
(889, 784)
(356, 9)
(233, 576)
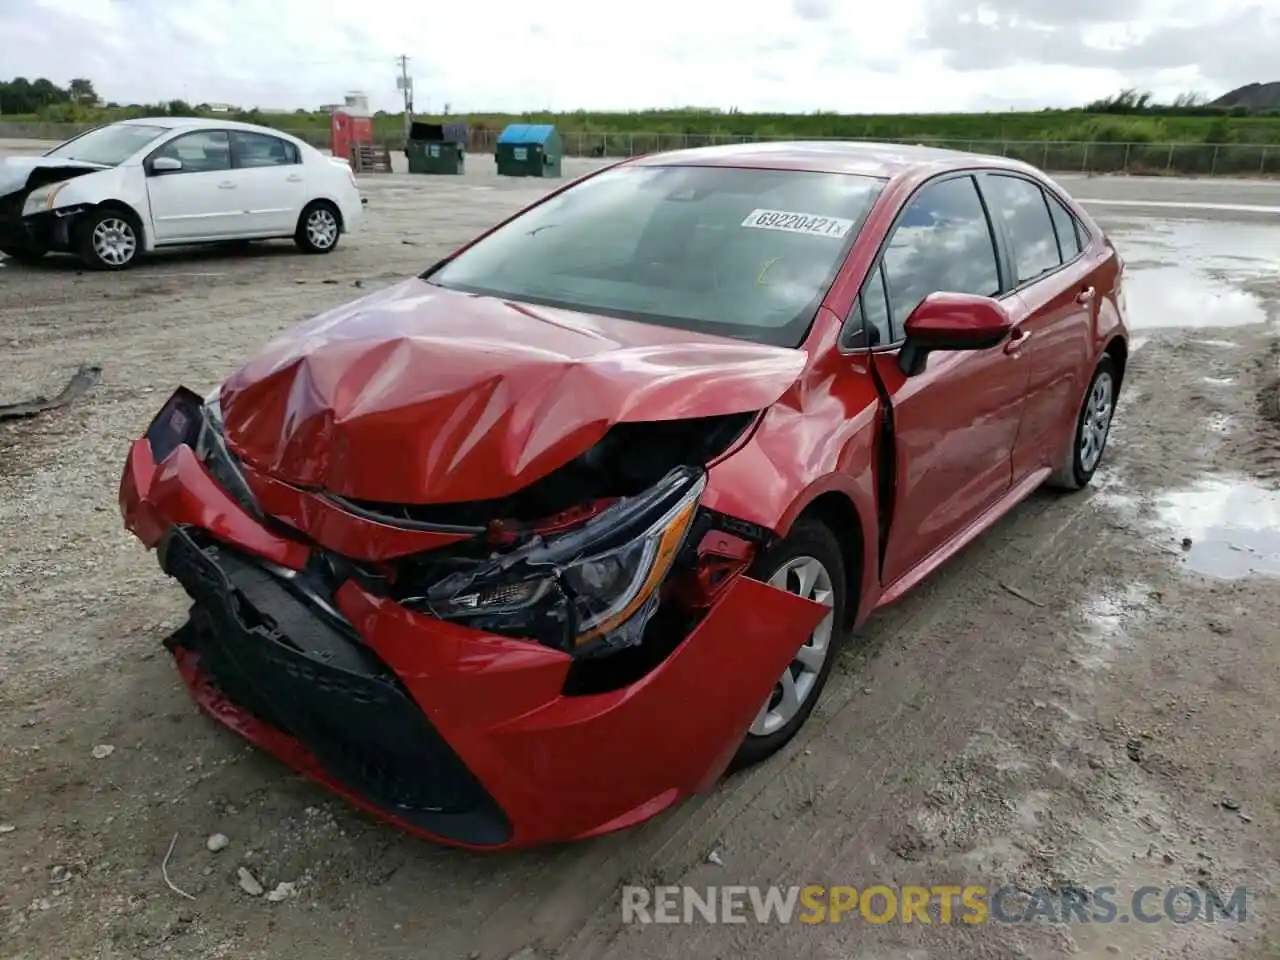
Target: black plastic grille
(270, 653)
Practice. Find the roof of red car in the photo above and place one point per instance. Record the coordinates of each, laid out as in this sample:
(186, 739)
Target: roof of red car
(830, 156)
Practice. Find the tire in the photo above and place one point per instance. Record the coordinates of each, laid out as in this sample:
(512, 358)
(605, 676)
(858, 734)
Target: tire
(1092, 422)
(319, 228)
(108, 239)
(775, 725)
(23, 254)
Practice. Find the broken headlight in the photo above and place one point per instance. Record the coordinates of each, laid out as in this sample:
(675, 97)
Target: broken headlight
(589, 591)
(211, 448)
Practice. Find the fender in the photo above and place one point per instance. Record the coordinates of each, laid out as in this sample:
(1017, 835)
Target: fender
(819, 437)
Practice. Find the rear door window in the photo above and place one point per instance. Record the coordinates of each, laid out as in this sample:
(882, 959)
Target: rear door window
(260, 150)
(1065, 225)
(1022, 206)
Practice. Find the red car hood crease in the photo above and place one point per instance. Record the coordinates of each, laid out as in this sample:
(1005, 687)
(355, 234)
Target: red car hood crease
(423, 395)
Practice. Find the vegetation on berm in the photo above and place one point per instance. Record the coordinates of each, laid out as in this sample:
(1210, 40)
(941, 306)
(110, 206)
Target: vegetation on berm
(1127, 132)
(1130, 117)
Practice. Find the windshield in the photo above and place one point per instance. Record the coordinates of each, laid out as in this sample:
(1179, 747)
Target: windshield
(740, 253)
(109, 146)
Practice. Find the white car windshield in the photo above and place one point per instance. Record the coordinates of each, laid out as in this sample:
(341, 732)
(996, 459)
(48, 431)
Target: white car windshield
(109, 146)
(744, 253)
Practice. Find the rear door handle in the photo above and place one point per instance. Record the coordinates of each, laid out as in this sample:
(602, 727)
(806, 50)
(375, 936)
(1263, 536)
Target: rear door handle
(1017, 340)
(1085, 295)
(226, 185)
(294, 178)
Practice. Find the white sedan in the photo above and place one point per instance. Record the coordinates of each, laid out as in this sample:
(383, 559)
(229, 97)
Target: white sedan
(121, 190)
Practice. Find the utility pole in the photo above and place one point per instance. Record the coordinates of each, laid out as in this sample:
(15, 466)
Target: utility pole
(406, 86)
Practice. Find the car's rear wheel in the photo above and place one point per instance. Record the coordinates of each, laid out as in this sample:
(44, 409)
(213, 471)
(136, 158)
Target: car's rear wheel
(319, 228)
(23, 254)
(108, 239)
(1093, 428)
(807, 562)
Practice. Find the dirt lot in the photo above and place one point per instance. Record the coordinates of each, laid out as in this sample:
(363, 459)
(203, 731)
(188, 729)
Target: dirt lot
(1082, 698)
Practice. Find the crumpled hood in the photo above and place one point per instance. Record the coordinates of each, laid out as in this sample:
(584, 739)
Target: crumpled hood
(418, 394)
(16, 172)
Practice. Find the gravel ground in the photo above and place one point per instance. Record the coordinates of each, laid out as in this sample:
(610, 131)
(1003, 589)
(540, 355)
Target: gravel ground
(1082, 698)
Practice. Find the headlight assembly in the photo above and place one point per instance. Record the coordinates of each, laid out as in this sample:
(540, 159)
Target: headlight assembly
(592, 590)
(42, 198)
(211, 448)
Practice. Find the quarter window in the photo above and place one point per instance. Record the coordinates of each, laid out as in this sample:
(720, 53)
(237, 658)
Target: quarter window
(200, 152)
(875, 311)
(1022, 206)
(260, 150)
(1065, 225)
(943, 242)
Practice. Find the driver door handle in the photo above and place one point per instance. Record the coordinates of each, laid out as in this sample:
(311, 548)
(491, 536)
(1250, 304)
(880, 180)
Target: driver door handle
(227, 185)
(294, 178)
(1017, 340)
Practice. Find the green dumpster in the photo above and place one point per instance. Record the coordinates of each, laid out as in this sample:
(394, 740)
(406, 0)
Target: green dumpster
(436, 148)
(529, 150)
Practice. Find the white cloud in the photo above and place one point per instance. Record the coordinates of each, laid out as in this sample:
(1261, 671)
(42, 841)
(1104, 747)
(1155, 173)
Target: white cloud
(854, 56)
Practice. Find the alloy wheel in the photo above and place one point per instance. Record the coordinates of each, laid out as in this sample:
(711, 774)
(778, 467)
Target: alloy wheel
(1096, 422)
(322, 228)
(114, 241)
(805, 577)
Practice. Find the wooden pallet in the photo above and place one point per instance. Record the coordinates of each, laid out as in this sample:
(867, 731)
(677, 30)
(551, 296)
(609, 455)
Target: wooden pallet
(370, 158)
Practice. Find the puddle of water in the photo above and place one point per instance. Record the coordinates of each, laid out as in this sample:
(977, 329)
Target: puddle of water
(1241, 249)
(1233, 524)
(1224, 344)
(1178, 297)
(1218, 381)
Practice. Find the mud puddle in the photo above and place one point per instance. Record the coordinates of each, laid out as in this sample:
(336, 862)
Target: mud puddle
(1230, 525)
(1196, 274)
(1176, 297)
(1242, 249)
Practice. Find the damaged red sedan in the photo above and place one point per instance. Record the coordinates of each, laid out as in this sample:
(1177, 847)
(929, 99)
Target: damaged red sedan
(532, 546)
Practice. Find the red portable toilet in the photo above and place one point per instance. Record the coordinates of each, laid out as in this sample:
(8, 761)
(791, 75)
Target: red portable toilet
(350, 126)
(347, 131)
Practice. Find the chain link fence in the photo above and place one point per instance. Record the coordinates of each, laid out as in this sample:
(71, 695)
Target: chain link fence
(1058, 156)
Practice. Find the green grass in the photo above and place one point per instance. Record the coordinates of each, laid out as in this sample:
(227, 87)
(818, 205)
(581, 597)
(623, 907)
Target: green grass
(1203, 142)
(1165, 127)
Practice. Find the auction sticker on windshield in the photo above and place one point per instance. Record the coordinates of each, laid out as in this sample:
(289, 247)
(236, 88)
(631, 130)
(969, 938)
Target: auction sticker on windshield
(835, 227)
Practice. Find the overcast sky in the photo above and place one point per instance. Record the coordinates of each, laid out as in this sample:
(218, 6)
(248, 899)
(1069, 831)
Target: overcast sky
(851, 56)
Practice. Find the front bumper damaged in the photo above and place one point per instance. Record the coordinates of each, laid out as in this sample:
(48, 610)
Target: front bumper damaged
(461, 736)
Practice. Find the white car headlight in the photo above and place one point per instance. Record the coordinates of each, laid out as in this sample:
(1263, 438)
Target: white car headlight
(42, 198)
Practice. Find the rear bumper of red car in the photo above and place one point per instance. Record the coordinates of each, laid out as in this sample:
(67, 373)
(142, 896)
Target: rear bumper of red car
(464, 737)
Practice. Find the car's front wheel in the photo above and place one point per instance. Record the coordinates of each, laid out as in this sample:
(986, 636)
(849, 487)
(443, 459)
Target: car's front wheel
(319, 228)
(807, 562)
(1093, 428)
(108, 240)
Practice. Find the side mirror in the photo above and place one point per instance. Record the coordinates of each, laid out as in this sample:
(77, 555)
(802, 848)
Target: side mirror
(166, 165)
(952, 321)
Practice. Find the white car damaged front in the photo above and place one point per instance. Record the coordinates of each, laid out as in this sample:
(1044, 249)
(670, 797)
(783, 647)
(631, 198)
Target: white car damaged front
(122, 190)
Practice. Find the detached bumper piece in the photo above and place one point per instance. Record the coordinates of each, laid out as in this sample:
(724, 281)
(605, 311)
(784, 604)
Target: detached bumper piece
(42, 231)
(270, 655)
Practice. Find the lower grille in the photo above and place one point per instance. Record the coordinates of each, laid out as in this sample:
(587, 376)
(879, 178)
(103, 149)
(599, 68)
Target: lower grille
(272, 654)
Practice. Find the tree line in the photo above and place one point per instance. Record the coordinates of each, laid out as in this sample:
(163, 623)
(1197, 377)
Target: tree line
(21, 95)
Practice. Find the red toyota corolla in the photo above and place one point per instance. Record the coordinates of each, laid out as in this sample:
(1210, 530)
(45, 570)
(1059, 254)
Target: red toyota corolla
(534, 545)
